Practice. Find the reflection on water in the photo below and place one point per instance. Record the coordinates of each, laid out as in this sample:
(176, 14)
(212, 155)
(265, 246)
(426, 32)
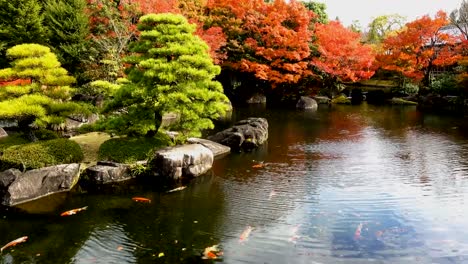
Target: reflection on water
(350, 184)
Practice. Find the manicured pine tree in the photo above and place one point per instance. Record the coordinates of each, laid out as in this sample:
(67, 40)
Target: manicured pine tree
(20, 22)
(67, 27)
(171, 71)
(44, 100)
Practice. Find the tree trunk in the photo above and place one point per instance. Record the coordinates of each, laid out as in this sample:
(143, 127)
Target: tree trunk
(24, 126)
(157, 123)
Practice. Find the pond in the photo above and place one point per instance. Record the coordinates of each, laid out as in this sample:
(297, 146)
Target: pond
(347, 184)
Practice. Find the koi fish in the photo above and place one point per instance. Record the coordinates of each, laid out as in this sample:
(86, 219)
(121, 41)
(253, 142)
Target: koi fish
(73, 211)
(272, 193)
(212, 252)
(141, 199)
(14, 243)
(245, 234)
(357, 233)
(177, 189)
(258, 166)
(294, 235)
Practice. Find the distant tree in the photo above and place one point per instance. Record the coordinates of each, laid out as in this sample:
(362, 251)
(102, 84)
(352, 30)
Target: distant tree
(417, 49)
(319, 9)
(356, 26)
(459, 18)
(20, 22)
(171, 71)
(42, 100)
(67, 25)
(342, 56)
(382, 26)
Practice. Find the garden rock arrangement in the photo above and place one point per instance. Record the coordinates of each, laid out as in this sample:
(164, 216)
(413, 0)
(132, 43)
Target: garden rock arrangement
(245, 135)
(306, 103)
(184, 161)
(105, 172)
(17, 187)
(217, 149)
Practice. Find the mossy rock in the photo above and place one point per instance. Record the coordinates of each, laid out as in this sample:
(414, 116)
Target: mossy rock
(341, 99)
(40, 154)
(132, 149)
(399, 101)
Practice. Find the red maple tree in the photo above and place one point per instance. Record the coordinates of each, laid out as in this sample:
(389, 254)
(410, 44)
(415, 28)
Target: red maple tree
(269, 40)
(343, 58)
(419, 47)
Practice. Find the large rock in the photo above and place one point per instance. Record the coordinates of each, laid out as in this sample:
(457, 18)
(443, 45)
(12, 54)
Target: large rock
(3, 133)
(105, 172)
(184, 161)
(17, 187)
(217, 149)
(322, 99)
(257, 99)
(306, 103)
(245, 135)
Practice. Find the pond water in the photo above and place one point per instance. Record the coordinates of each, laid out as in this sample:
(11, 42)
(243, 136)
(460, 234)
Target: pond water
(348, 184)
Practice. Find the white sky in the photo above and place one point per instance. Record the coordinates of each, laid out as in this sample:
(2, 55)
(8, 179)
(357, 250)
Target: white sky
(365, 10)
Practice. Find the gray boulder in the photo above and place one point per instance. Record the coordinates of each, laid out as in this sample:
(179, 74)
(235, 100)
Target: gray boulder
(3, 133)
(217, 149)
(17, 187)
(245, 135)
(257, 99)
(105, 172)
(306, 103)
(184, 161)
(322, 99)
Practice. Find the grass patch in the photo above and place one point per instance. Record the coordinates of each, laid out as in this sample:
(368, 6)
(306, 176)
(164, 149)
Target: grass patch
(399, 101)
(130, 149)
(380, 83)
(90, 143)
(40, 154)
(12, 140)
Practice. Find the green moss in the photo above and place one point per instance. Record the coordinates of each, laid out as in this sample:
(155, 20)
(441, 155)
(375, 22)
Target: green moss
(341, 99)
(40, 154)
(131, 149)
(11, 140)
(399, 101)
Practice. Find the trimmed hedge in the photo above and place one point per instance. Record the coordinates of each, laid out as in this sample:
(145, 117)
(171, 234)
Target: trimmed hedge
(131, 149)
(40, 154)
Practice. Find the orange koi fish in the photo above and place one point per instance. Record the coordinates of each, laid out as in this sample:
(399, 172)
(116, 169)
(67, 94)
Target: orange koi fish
(212, 252)
(357, 233)
(177, 189)
(14, 243)
(141, 199)
(245, 234)
(73, 211)
(258, 166)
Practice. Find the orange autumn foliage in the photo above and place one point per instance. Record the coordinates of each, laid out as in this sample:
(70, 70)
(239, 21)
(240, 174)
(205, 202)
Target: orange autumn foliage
(269, 40)
(341, 53)
(419, 47)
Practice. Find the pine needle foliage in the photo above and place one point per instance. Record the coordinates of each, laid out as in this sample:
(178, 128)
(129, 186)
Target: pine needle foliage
(171, 71)
(44, 100)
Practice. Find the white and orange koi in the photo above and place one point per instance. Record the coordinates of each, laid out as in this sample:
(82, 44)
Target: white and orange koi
(245, 234)
(14, 243)
(177, 189)
(272, 193)
(357, 233)
(212, 252)
(73, 211)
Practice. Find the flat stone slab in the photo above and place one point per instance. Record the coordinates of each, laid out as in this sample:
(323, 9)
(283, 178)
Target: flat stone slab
(217, 149)
(17, 187)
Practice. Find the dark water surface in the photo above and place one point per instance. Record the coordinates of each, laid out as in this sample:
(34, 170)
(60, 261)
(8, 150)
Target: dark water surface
(398, 176)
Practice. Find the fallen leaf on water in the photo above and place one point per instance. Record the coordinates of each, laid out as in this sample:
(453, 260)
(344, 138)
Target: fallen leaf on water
(119, 248)
(160, 255)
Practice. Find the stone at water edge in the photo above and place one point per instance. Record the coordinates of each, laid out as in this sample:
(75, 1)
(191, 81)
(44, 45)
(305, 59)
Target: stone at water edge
(105, 172)
(217, 149)
(17, 187)
(306, 103)
(185, 161)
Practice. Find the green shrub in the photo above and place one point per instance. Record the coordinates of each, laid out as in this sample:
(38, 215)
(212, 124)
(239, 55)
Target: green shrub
(41, 154)
(44, 134)
(341, 99)
(11, 140)
(131, 149)
(445, 85)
